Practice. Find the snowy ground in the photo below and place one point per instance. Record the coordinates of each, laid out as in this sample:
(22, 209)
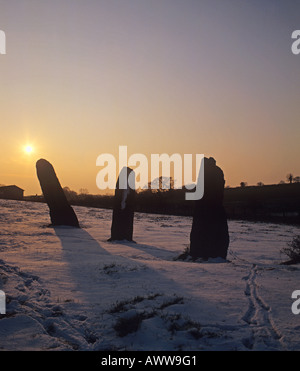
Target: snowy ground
(70, 289)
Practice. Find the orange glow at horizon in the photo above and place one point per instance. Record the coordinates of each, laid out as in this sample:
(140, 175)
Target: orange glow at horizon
(151, 75)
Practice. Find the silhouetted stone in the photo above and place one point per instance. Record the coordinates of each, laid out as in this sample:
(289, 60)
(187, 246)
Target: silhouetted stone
(61, 213)
(209, 236)
(123, 210)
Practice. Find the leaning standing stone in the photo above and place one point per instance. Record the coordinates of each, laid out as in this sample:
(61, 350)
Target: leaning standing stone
(61, 213)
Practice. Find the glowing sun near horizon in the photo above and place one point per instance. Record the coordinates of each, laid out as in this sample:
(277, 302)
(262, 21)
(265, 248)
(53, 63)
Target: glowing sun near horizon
(28, 149)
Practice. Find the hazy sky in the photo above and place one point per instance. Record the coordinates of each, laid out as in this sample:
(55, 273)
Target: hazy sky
(214, 77)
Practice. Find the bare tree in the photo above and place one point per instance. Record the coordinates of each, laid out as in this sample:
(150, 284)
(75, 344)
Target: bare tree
(290, 178)
(297, 179)
(161, 184)
(243, 184)
(83, 191)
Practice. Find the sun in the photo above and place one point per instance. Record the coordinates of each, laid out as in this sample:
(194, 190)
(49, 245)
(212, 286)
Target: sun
(28, 149)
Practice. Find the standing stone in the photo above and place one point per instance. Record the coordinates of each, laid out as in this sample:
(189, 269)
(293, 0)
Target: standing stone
(209, 236)
(123, 209)
(61, 213)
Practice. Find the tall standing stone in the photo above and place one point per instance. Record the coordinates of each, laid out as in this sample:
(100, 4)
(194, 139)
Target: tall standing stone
(209, 236)
(123, 208)
(61, 213)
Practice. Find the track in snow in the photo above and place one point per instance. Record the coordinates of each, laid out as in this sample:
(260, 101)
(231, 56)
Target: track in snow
(258, 317)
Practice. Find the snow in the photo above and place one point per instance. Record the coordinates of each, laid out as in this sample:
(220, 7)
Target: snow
(70, 289)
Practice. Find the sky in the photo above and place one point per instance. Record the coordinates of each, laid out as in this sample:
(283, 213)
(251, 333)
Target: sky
(215, 77)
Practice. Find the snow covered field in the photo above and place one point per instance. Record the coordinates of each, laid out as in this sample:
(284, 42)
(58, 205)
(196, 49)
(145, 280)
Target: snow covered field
(70, 289)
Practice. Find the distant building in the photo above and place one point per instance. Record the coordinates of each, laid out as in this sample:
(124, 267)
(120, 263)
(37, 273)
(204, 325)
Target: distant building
(11, 192)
